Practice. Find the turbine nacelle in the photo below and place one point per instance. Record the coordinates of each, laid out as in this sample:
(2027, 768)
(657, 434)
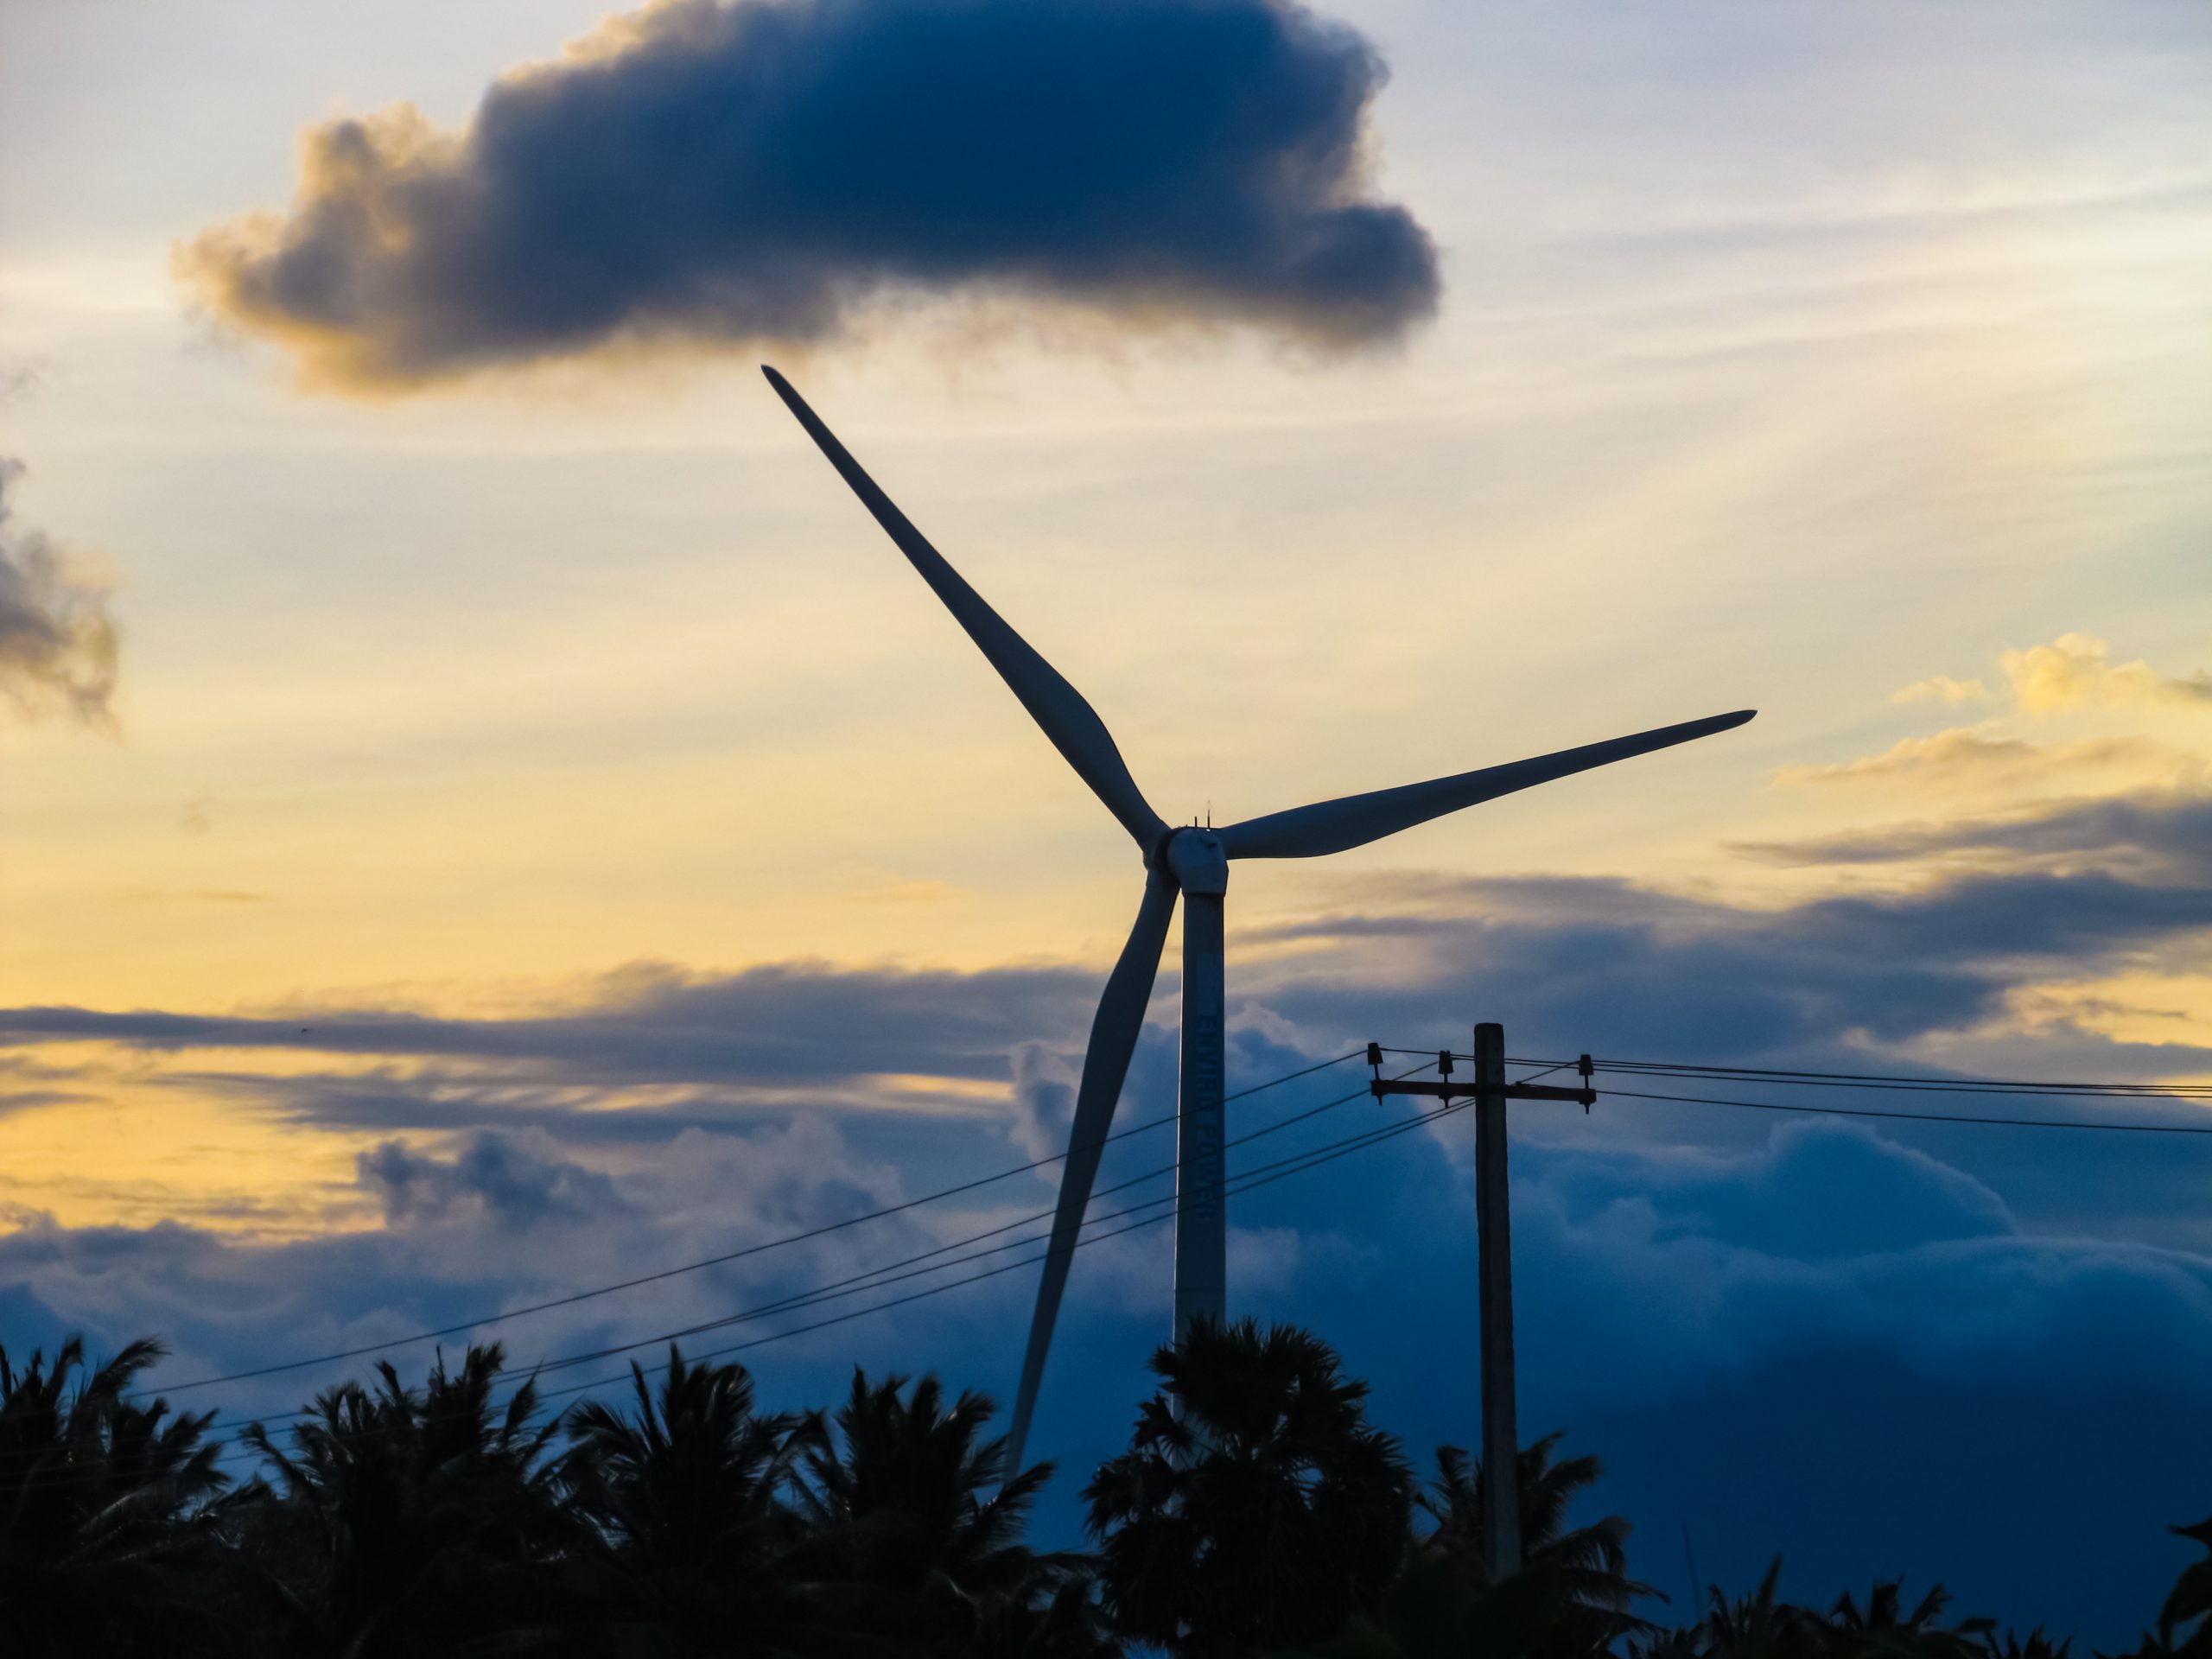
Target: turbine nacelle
(1195, 858)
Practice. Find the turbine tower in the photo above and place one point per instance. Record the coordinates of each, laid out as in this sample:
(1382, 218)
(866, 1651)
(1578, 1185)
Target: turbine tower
(1191, 861)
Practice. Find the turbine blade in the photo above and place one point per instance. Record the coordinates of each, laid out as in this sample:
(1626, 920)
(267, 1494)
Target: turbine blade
(1114, 1032)
(1057, 707)
(1355, 820)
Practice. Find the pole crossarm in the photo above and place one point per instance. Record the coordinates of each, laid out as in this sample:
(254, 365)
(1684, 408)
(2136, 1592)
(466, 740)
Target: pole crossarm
(1443, 1088)
(1468, 1092)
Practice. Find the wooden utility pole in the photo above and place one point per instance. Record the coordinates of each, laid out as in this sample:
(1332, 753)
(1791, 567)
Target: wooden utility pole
(1494, 1263)
(1501, 1453)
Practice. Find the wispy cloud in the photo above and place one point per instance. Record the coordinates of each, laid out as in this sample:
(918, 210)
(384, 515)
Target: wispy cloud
(1977, 756)
(2169, 831)
(795, 1023)
(1941, 687)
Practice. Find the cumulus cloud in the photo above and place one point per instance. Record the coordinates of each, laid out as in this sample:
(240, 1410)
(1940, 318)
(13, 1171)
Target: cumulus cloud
(1833, 1239)
(463, 1230)
(1814, 1191)
(1044, 1099)
(57, 636)
(732, 174)
(2075, 671)
(2071, 674)
(506, 1180)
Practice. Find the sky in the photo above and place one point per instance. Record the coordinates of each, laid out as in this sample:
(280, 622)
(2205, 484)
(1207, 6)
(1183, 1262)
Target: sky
(484, 814)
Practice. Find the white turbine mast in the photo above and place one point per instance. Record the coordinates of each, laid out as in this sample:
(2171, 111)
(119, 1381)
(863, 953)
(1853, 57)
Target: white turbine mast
(1192, 861)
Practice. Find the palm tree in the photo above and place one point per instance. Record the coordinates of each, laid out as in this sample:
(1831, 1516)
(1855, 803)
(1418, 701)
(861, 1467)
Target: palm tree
(1884, 1629)
(904, 1542)
(101, 1546)
(1058, 1619)
(689, 1500)
(407, 1524)
(2187, 1604)
(1255, 1506)
(2013, 1645)
(1433, 1609)
(1590, 1563)
(1757, 1627)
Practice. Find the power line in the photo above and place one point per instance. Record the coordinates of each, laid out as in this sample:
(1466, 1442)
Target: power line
(1919, 1117)
(1262, 1175)
(572, 1299)
(804, 1298)
(1301, 1163)
(1684, 1070)
(1932, 1084)
(911, 1267)
(1924, 1084)
(838, 1288)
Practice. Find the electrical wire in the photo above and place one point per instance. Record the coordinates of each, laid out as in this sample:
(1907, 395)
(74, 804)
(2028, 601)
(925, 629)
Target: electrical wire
(802, 1298)
(1314, 1161)
(1707, 1071)
(1262, 1175)
(572, 1299)
(912, 1267)
(1610, 1093)
(1892, 1081)
(837, 1289)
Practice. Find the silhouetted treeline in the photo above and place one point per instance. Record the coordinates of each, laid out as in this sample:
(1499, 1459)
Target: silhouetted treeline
(1255, 1511)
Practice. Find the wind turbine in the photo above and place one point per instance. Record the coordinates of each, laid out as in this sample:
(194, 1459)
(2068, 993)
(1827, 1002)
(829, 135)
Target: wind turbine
(1192, 861)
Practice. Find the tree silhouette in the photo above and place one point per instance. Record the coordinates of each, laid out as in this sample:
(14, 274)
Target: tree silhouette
(2013, 1645)
(1255, 1506)
(1435, 1609)
(906, 1543)
(1884, 1628)
(99, 1548)
(688, 1498)
(1758, 1626)
(1590, 1563)
(1255, 1512)
(2186, 1605)
(406, 1524)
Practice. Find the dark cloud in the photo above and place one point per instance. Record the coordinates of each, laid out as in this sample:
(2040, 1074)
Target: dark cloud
(2167, 831)
(498, 1221)
(57, 636)
(1043, 1099)
(512, 1184)
(30, 1100)
(1817, 1191)
(1569, 963)
(2086, 918)
(1598, 964)
(763, 171)
(790, 1023)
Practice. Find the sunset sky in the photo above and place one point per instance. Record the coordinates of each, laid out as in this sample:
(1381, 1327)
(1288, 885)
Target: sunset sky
(484, 813)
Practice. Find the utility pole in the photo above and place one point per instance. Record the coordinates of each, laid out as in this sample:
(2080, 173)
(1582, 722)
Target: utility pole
(1494, 1263)
(1501, 1441)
